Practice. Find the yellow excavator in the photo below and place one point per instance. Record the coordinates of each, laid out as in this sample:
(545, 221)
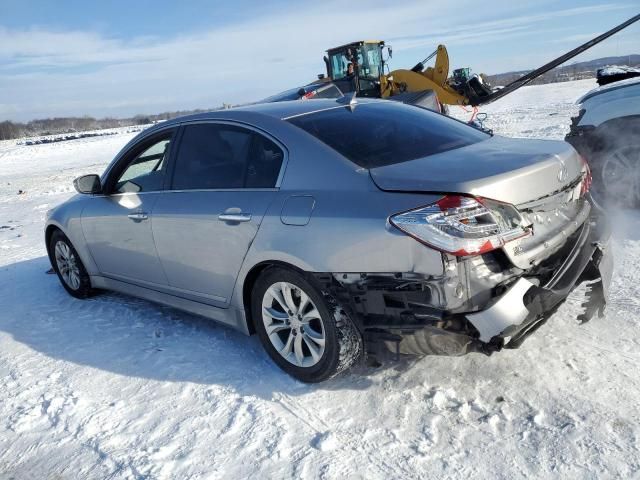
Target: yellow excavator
(362, 68)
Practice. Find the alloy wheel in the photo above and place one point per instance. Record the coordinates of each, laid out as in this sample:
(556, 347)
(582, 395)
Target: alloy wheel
(293, 324)
(67, 265)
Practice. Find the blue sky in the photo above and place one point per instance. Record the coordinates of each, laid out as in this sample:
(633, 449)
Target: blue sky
(117, 58)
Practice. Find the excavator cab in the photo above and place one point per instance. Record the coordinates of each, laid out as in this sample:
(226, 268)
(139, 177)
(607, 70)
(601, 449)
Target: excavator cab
(357, 67)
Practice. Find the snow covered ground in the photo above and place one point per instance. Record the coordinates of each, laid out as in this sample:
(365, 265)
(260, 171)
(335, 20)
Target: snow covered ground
(115, 387)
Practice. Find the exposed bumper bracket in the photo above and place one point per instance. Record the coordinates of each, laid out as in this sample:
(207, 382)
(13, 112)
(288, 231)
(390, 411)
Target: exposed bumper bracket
(508, 311)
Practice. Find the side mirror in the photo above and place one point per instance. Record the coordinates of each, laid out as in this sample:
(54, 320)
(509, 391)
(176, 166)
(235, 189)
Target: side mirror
(88, 184)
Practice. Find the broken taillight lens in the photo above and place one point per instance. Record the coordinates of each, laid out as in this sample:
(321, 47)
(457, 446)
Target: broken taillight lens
(462, 225)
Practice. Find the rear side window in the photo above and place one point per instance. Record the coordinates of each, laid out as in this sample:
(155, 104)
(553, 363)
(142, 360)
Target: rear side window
(221, 156)
(383, 133)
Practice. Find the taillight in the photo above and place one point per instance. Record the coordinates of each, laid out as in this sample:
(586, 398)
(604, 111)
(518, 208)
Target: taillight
(462, 225)
(586, 178)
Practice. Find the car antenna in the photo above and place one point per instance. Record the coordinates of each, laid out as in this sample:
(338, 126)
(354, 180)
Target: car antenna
(350, 101)
(353, 102)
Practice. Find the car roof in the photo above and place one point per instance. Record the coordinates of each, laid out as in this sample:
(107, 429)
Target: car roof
(279, 110)
(627, 83)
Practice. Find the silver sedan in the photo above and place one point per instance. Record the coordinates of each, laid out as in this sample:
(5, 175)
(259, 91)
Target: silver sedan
(339, 229)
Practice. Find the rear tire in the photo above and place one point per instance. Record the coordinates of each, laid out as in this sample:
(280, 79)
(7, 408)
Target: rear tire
(617, 174)
(613, 153)
(304, 331)
(68, 266)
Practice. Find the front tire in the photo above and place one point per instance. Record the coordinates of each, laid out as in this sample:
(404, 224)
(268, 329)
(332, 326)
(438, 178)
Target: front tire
(68, 266)
(618, 177)
(613, 153)
(303, 329)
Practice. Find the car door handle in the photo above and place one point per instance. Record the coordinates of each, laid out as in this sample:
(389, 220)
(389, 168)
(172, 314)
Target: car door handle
(138, 216)
(235, 217)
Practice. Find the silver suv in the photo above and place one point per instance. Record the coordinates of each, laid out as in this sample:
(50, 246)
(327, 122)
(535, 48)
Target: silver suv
(607, 133)
(336, 229)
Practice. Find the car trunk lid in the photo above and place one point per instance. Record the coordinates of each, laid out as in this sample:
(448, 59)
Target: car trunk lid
(504, 169)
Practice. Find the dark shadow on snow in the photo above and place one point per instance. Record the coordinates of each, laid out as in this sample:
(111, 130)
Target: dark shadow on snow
(136, 338)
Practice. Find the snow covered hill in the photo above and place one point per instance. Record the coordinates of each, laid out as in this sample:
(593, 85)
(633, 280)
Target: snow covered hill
(118, 388)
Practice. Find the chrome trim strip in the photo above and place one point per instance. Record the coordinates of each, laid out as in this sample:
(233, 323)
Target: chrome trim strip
(370, 101)
(248, 126)
(191, 191)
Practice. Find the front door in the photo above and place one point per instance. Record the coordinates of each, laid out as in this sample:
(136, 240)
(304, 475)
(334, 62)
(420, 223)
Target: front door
(117, 224)
(224, 179)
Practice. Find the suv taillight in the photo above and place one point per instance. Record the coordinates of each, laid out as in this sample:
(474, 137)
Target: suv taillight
(462, 225)
(586, 178)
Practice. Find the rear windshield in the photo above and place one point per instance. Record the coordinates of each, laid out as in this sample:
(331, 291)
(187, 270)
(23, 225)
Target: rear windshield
(383, 133)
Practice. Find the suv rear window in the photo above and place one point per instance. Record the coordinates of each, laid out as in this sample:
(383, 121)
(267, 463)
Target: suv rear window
(383, 133)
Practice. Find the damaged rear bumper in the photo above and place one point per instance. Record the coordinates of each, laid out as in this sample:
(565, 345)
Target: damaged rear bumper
(525, 306)
(409, 314)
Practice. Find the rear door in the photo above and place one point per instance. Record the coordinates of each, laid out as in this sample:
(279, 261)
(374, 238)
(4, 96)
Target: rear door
(224, 178)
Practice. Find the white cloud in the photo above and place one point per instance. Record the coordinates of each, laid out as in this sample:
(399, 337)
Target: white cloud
(46, 73)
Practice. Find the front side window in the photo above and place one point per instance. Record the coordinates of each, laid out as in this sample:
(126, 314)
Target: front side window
(372, 61)
(146, 172)
(221, 156)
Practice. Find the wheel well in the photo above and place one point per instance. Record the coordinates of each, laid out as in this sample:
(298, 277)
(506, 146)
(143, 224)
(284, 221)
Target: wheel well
(250, 281)
(47, 239)
(611, 131)
(594, 141)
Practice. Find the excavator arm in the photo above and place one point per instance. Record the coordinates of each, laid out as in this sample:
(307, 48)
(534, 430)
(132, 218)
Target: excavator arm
(472, 92)
(525, 79)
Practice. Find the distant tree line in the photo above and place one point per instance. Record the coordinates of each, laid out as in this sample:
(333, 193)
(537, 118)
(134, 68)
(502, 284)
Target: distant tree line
(565, 73)
(549, 77)
(64, 125)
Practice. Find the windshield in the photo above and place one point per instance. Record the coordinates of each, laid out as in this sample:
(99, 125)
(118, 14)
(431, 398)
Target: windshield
(370, 61)
(368, 58)
(385, 132)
